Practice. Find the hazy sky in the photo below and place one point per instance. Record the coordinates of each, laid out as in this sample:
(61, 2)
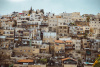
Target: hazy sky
(55, 6)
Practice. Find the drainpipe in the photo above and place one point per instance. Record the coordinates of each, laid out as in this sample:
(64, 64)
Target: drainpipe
(30, 42)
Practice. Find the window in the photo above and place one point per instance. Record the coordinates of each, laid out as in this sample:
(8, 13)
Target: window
(60, 34)
(24, 50)
(65, 28)
(81, 28)
(56, 47)
(61, 47)
(64, 23)
(76, 54)
(60, 27)
(43, 46)
(65, 34)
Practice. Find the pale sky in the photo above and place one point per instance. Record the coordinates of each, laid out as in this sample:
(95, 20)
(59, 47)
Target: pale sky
(55, 6)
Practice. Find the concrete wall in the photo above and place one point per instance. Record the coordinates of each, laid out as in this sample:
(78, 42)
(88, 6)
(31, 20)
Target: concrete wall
(26, 50)
(49, 37)
(88, 66)
(19, 65)
(70, 65)
(59, 47)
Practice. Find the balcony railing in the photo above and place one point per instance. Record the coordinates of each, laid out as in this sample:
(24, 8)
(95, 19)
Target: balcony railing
(44, 24)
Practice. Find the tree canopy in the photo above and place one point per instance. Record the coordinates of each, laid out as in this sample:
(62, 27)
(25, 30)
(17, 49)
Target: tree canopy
(97, 62)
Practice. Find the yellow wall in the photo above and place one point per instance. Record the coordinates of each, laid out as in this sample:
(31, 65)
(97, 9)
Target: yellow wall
(70, 65)
(19, 65)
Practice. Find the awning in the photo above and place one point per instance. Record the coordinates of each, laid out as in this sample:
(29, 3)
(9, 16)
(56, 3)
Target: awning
(25, 61)
(88, 63)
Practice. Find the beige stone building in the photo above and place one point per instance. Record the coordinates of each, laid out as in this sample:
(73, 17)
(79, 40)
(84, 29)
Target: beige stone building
(26, 51)
(80, 23)
(59, 48)
(5, 54)
(44, 27)
(6, 32)
(75, 16)
(77, 44)
(7, 27)
(62, 28)
(83, 31)
(75, 54)
(49, 37)
(95, 25)
(85, 44)
(44, 48)
(52, 22)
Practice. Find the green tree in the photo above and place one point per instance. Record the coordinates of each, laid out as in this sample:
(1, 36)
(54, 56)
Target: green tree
(85, 36)
(36, 12)
(42, 11)
(15, 23)
(88, 19)
(30, 11)
(97, 62)
(44, 61)
(79, 63)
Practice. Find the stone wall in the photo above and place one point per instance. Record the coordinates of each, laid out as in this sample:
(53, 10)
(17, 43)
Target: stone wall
(70, 65)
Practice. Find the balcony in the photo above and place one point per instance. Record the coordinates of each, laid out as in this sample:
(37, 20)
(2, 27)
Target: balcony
(60, 56)
(26, 39)
(44, 24)
(32, 24)
(10, 38)
(25, 43)
(8, 34)
(3, 37)
(43, 48)
(69, 47)
(64, 23)
(60, 51)
(25, 36)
